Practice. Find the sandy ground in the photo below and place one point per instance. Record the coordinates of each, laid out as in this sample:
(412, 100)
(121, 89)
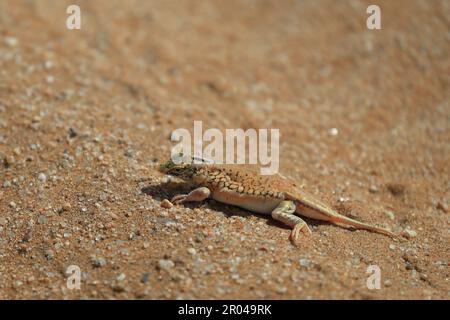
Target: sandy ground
(86, 115)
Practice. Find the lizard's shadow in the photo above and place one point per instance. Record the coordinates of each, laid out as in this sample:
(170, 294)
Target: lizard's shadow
(167, 190)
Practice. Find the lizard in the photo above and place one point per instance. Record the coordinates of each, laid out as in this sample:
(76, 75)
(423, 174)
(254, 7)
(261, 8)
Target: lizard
(273, 195)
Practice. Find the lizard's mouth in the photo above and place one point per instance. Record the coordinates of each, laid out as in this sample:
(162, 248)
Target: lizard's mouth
(171, 168)
(173, 171)
(166, 167)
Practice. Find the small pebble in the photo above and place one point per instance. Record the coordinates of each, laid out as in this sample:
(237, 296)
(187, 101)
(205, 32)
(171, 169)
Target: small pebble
(49, 254)
(9, 160)
(11, 41)
(304, 263)
(50, 79)
(145, 277)
(28, 236)
(118, 288)
(390, 214)
(282, 290)
(408, 265)
(98, 262)
(48, 64)
(423, 276)
(42, 177)
(42, 219)
(166, 204)
(66, 206)
(409, 233)
(333, 132)
(165, 264)
(442, 207)
(396, 189)
(192, 251)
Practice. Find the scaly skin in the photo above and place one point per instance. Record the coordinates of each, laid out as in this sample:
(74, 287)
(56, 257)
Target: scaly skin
(274, 195)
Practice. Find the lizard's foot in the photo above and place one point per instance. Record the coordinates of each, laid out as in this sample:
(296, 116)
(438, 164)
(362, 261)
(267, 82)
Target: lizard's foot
(198, 194)
(179, 198)
(299, 228)
(284, 212)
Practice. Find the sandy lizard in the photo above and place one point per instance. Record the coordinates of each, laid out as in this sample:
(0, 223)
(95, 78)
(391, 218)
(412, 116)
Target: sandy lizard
(274, 195)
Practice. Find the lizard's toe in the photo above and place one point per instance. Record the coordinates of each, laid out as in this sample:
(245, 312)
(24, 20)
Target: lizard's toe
(179, 198)
(300, 228)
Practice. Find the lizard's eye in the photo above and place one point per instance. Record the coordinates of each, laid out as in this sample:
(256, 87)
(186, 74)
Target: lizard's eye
(177, 171)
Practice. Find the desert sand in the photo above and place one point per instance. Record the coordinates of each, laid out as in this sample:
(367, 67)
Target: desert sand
(86, 117)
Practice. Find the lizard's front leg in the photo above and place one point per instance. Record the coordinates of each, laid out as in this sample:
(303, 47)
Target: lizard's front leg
(284, 212)
(195, 195)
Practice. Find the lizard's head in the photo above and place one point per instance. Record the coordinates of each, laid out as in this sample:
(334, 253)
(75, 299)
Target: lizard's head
(182, 169)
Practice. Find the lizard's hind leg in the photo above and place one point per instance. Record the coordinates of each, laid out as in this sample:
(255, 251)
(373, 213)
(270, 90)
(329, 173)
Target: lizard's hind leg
(284, 212)
(195, 195)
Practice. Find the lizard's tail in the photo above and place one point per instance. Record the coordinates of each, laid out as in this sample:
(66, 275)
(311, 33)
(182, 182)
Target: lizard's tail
(340, 219)
(319, 211)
